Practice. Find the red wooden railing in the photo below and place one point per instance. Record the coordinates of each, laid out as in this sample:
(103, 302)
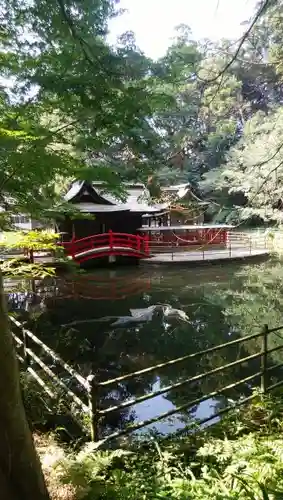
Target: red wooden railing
(184, 238)
(105, 244)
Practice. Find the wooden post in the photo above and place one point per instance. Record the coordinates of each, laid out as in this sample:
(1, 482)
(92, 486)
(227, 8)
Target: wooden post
(25, 346)
(264, 351)
(93, 395)
(110, 238)
(146, 244)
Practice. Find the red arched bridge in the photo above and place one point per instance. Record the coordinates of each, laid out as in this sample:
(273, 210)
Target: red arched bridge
(107, 244)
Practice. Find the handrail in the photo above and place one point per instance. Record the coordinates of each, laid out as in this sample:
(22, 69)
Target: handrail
(93, 386)
(233, 245)
(197, 378)
(52, 375)
(105, 235)
(151, 369)
(51, 353)
(133, 427)
(141, 246)
(112, 242)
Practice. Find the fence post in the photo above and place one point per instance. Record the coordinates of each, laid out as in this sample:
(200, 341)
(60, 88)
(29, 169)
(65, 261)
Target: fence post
(93, 395)
(25, 347)
(264, 351)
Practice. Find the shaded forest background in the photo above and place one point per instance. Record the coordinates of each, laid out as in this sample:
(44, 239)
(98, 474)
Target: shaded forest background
(72, 106)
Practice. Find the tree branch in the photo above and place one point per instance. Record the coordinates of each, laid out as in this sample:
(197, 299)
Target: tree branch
(265, 180)
(258, 15)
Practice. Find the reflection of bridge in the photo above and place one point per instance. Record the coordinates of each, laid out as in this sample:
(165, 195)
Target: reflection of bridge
(106, 245)
(80, 287)
(112, 289)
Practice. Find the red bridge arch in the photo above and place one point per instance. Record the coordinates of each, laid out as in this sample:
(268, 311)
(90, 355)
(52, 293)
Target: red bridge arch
(107, 244)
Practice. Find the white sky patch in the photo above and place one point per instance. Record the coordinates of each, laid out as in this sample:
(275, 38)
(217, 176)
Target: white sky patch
(153, 21)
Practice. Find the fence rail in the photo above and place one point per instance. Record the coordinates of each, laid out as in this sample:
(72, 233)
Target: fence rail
(235, 244)
(92, 388)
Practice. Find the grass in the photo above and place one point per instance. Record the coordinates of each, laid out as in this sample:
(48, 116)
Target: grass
(239, 458)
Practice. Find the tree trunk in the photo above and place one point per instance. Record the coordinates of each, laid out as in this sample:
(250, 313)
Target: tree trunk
(31, 256)
(21, 477)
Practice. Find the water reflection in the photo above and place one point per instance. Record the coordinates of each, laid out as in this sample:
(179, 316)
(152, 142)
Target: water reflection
(113, 323)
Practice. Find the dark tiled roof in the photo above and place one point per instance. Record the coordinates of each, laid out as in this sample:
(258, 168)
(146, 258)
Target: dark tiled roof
(138, 199)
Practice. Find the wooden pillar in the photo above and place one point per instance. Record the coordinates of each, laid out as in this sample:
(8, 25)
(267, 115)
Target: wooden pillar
(110, 232)
(146, 244)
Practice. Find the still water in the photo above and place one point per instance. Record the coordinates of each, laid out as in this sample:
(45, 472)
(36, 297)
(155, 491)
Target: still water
(115, 322)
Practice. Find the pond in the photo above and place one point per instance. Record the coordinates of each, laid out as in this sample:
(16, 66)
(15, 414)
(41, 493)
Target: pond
(115, 322)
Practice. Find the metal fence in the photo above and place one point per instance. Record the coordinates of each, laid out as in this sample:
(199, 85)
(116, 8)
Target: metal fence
(238, 245)
(92, 388)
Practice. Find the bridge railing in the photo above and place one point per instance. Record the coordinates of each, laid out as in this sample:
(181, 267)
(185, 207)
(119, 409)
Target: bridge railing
(110, 240)
(93, 388)
(228, 246)
(231, 241)
(252, 240)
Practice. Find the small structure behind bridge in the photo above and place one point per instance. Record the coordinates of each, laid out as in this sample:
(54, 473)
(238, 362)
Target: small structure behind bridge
(109, 228)
(115, 231)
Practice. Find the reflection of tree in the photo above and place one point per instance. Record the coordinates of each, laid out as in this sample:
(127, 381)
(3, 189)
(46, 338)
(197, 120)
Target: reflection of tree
(109, 351)
(259, 301)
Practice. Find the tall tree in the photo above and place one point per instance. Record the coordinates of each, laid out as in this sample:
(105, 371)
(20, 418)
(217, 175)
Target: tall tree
(248, 181)
(73, 106)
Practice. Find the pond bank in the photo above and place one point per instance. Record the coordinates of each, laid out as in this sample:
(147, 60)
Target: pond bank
(239, 458)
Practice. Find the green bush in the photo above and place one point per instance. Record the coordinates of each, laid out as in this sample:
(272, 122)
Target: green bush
(227, 462)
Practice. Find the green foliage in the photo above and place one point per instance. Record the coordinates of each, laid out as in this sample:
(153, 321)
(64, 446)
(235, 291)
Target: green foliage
(227, 462)
(255, 169)
(258, 301)
(78, 108)
(15, 268)
(222, 130)
(32, 240)
(248, 179)
(89, 116)
(36, 406)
